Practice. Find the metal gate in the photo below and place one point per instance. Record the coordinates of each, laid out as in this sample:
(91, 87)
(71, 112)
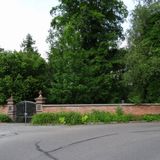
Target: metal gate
(24, 111)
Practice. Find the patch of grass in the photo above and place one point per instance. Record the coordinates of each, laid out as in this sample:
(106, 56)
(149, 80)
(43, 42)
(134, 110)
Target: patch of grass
(5, 118)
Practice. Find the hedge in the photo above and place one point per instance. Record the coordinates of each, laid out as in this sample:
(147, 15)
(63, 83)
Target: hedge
(5, 118)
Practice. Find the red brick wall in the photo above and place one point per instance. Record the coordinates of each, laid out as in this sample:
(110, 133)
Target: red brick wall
(3, 109)
(83, 108)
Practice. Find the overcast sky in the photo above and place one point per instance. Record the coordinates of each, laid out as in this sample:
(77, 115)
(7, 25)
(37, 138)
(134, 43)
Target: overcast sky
(20, 17)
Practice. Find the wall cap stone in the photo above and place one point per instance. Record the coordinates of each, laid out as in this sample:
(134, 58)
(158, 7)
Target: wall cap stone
(101, 105)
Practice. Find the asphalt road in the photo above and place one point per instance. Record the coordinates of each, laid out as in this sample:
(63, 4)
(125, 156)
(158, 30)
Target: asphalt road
(134, 141)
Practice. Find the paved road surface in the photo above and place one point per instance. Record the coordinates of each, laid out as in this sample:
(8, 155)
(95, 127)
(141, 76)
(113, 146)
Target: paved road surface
(135, 141)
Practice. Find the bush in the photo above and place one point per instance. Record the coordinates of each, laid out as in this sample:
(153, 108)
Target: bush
(70, 118)
(119, 111)
(74, 118)
(85, 119)
(122, 118)
(99, 116)
(45, 118)
(150, 118)
(5, 118)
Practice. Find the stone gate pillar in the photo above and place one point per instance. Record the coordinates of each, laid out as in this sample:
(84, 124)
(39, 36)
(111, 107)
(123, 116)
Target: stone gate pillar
(39, 102)
(11, 108)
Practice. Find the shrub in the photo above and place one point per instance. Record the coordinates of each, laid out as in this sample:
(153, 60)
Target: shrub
(136, 99)
(99, 116)
(119, 111)
(121, 118)
(5, 118)
(44, 118)
(150, 118)
(70, 118)
(85, 119)
(73, 118)
(62, 120)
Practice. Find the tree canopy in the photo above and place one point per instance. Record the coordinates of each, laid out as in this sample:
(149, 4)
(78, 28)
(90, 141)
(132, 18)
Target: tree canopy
(28, 45)
(21, 76)
(94, 24)
(143, 59)
(84, 56)
(85, 63)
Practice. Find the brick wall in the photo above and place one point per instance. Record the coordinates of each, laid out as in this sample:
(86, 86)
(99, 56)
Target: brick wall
(83, 108)
(3, 109)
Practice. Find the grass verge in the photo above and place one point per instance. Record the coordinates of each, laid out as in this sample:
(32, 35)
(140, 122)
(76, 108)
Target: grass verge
(74, 118)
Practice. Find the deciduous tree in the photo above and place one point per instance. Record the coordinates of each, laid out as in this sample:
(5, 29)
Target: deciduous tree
(85, 62)
(143, 59)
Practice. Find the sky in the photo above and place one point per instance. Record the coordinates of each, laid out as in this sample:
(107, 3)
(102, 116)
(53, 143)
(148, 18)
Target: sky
(20, 17)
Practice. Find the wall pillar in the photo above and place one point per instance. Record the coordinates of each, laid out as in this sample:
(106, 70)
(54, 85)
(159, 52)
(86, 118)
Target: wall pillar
(11, 108)
(39, 102)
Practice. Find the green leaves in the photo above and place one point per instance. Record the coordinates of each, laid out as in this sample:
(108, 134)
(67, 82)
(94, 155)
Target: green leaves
(93, 21)
(142, 61)
(83, 59)
(21, 75)
(27, 45)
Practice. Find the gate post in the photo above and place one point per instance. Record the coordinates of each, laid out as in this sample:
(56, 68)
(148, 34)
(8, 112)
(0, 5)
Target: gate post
(11, 108)
(39, 102)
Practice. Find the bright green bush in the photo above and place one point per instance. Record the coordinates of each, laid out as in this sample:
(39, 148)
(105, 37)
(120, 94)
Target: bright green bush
(85, 119)
(72, 118)
(62, 120)
(5, 118)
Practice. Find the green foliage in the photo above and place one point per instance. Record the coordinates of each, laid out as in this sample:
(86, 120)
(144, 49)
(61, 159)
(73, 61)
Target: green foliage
(99, 116)
(136, 99)
(123, 118)
(21, 75)
(119, 111)
(84, 119)
(62, 120)
(92, 24)
(74, 118)
(70, 118)
(84, 77)
(143, 59)
(5, 118)
(147, 2)
(28, 45)
(150, 118)
(85, 63)
(45, 118)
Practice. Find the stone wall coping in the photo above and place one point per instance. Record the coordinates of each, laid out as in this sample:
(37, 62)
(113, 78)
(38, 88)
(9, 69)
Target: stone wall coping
(101, 105)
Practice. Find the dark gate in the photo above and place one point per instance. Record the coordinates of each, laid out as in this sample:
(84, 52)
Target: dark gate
(24, 111)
